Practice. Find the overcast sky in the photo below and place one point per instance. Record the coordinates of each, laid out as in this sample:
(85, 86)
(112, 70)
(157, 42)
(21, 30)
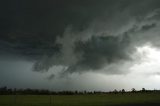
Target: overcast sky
(80, 44)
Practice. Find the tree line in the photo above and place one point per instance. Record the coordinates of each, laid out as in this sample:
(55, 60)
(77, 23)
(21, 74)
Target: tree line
(28, 91)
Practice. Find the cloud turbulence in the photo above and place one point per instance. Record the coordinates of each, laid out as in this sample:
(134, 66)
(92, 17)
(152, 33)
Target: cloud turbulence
(79, 35)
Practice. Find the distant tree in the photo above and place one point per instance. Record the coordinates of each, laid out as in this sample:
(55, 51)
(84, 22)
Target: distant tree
(133, 90)
(115, 91)
(3, 90)
(76, 92)
(143, 90)
(123, 91)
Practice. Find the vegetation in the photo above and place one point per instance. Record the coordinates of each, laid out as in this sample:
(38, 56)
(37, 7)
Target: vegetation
(32, 97)
(81, 100)
(8, 91)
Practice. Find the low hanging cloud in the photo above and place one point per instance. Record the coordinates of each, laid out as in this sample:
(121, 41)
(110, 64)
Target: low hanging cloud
(78, 35)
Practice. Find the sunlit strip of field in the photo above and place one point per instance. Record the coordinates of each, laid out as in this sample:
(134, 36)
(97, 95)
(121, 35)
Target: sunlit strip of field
(141, 99)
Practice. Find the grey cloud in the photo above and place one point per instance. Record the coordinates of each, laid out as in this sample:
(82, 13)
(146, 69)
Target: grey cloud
(80, 35)
(101, 50)
(29, 45)
(51, 77)
(148, 27)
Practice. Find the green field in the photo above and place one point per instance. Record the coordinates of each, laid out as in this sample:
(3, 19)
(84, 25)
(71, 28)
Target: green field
(150, 99)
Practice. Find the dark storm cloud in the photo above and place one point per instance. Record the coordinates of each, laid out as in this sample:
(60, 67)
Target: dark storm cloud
(101, 50)
(51, 77)
(78, 35)
(148, 27)
(32, 26)
(29, 45)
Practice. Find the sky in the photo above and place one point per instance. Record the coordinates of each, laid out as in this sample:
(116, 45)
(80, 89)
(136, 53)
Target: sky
(80, 44)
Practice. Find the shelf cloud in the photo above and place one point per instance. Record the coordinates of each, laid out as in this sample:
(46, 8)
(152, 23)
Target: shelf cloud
(78, 35)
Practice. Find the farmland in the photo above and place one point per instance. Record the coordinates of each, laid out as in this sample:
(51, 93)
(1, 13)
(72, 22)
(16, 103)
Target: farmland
(127, 99)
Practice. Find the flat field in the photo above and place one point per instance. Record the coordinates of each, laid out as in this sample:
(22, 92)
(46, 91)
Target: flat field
(128, 99)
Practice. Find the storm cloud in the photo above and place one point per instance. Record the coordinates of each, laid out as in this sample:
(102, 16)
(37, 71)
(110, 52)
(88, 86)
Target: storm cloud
(77, 35)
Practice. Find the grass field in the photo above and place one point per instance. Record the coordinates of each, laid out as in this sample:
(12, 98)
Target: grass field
(150, 99)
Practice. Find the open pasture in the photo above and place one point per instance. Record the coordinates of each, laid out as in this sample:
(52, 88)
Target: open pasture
(140, 99)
